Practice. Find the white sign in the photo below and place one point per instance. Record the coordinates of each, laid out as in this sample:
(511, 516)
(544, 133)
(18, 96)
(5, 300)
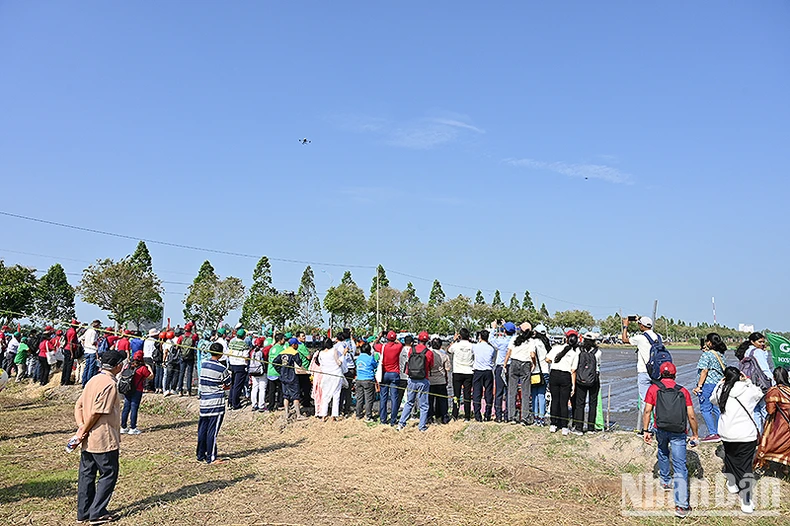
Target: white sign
(742, 327)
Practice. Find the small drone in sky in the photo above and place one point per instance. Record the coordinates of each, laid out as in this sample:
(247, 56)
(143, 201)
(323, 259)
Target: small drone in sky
(305, 141)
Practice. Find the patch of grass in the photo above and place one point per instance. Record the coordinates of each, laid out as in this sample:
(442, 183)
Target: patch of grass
(38, 485)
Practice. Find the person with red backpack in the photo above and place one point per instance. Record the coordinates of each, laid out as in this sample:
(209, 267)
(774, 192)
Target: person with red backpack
(418, 367)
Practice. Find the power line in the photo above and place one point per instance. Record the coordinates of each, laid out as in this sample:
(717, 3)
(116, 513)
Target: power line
(283, 260)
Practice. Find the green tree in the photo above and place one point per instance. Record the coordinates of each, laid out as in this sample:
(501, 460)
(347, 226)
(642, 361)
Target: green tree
(54, 296)
(382, 280)
(259, 306)
(122, 288)
(17, 286)
(437, 296)
(211, 299)
(544, 314)
(574, 319)
(611, 325)
(456, 312)
(280, 307)
(309, 304)
(205, 273)
(389, 305)
(411, 310)
(150, 312)
(497, 301)
(514, 305)
(527, 303)
(479, 298)
(346, 301)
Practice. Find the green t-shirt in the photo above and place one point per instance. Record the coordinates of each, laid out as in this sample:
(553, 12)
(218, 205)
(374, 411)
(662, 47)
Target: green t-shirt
(304, 352)
(21, 353)
(274, 352)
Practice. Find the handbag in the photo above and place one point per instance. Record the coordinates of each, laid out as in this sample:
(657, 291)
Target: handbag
(380, 367)
(537, 379)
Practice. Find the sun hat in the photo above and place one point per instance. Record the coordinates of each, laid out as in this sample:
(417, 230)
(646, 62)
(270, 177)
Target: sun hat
(153, 332)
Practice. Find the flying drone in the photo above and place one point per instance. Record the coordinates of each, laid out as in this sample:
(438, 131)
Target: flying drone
(305, 141)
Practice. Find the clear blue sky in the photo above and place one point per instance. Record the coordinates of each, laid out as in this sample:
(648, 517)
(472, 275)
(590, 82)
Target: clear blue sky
(449, 141)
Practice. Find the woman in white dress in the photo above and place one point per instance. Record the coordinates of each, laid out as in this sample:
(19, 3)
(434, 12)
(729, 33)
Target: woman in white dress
(330, 360)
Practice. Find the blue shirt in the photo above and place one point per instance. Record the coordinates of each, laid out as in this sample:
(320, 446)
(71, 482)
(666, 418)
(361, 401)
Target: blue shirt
(500, 344)
(484, 356)
(136, 345)
(366, 367)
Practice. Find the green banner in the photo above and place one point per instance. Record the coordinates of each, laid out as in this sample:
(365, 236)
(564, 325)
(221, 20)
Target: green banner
(780, 350)
(599, 420)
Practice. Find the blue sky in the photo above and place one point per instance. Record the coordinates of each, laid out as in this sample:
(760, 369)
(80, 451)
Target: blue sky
(602, 154)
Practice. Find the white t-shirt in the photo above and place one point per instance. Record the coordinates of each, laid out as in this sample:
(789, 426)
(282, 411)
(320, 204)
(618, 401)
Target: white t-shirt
(568, 363)
(463, 359)
(148, 348)
(523, 352)
(89, 341)
(642, 349)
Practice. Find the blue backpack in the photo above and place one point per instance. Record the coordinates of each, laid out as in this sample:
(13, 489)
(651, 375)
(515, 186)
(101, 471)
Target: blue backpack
(102, 346)
(658, 356)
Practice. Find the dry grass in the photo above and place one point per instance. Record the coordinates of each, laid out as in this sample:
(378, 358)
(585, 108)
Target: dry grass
(304, 473)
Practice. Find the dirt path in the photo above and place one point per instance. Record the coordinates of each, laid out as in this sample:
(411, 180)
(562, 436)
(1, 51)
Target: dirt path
(304, 473)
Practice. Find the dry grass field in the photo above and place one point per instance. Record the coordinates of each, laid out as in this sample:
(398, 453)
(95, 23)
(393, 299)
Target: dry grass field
(334, 473)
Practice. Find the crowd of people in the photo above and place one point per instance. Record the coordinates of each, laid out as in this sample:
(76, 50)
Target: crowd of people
(507, 374)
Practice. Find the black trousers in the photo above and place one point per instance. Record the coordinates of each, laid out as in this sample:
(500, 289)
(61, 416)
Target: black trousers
(483, 386)
(239, 374)
(93, 496)
(305, 388)
(400, 393)
(738, 459)
(43, 370)
(345, 393)
(68, 363)
(583, 394)
(560, 385)
(274, 394)
(462, 384)
(437, 403)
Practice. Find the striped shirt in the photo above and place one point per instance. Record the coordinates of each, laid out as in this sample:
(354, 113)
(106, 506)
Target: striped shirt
(213, 378)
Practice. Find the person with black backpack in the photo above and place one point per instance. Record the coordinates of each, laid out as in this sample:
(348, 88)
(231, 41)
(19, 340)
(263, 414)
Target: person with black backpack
(645, 341)
(672, 411)
(131, 384)
(418, 367)
(588, 384)
(753, 362)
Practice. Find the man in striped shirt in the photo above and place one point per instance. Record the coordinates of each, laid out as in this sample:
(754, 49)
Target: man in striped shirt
(214, 381)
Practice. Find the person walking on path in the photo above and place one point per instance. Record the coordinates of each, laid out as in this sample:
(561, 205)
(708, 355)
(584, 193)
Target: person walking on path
(710, 371)
(98, 417)
(214, 381)
(737, 397)
(674, 414)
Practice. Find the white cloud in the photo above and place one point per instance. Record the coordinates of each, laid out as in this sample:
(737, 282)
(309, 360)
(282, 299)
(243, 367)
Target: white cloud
(587, 170)
(417, 134)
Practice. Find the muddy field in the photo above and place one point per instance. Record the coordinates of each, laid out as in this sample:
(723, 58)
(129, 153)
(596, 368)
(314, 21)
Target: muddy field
(345, 472)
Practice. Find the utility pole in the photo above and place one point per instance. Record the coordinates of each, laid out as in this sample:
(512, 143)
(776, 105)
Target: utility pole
(378, 317)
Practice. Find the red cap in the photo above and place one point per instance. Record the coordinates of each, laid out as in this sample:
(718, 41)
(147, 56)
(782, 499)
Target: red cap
(138, 356)
(127, 332)
(59, 332)
(170, 335)
(48, 328)
(391, 336)
(423, 336)
(74, 321)
(188, 326)
(5, 327)
(667, 367)
(568, 333)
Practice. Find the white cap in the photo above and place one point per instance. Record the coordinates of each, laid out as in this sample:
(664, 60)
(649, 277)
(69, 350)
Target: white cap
(592, 335)
(647, 322)
(540, 328)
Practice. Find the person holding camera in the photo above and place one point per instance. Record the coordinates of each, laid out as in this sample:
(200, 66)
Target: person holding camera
(643, 343)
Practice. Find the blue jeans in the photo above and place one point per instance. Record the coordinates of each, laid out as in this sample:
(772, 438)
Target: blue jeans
(389, 391)
(710, 412)
(417, 391)
(539, 398)
(500, 394)
(760, 414)
(676, 442)
(159, 373)
(185, 373)
(91, 368)
(643, 383)
(131, 404)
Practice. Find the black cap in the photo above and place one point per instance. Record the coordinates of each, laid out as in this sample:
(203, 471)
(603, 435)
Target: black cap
(112, 358)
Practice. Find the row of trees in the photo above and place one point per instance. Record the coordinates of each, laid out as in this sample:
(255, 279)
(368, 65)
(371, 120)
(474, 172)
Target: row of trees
(130, 291)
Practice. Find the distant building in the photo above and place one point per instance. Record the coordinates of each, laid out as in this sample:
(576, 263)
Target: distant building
(745, 328)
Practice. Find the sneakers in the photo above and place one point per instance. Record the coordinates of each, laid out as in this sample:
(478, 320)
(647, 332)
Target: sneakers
(254, 408)
(711, 439)
(400, 428)
(134, 431)
(667, 486)
(732, 488)
(552, 429)
(578, 433)
(124, 430)
(565, 431)
(168, 393)
(747, 506)
(682, 513)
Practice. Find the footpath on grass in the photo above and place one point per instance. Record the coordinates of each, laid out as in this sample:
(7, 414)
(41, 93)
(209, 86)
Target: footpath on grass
(345, 472)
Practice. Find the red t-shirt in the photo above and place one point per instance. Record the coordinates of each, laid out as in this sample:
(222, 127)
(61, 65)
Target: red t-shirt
(390, 356)
(43, 347)
(650, 397)
(71, 339)
(123, 344)
(140, 374)
(111, 339)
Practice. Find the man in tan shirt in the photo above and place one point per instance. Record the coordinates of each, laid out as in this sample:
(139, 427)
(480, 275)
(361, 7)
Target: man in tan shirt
(98, 417)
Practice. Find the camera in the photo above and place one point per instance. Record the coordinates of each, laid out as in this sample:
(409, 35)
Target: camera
(702, 343)
(633, 318)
